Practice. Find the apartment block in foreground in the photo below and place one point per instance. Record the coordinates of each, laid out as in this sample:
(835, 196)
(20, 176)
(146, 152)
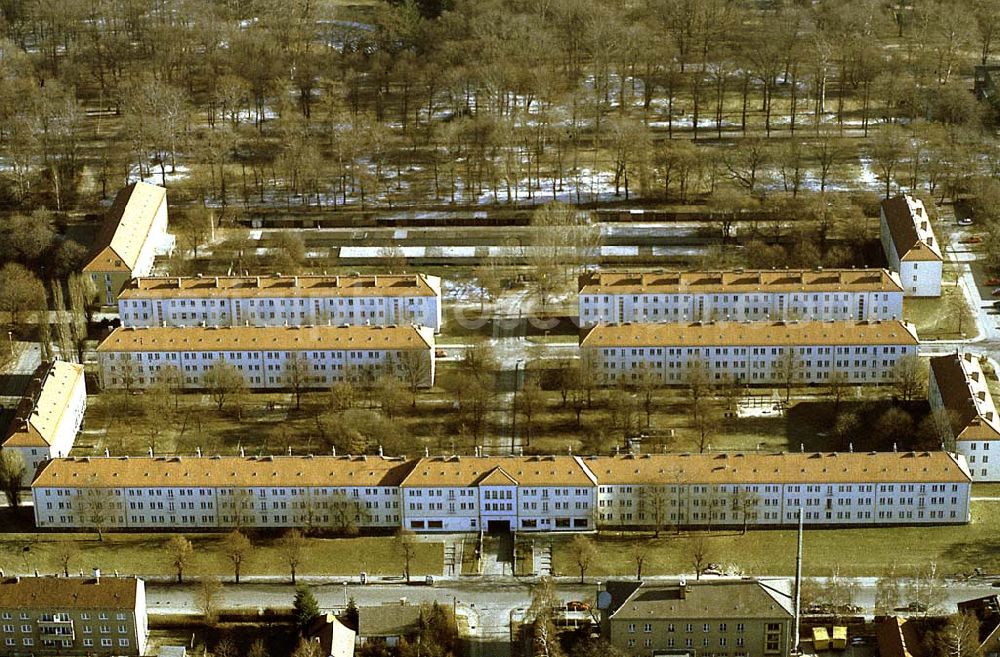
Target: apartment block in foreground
(270, 358)
(73, 616)
(377, 300)
(740, 295)
(523, 493)
(48, 417)
(753, 353)
(134, 232)
(742, 618)
(911, 248)
(966, 416)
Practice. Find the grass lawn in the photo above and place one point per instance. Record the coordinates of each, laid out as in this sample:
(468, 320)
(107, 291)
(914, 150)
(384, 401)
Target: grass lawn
(146, 554)
(937, 318)
(857, 552)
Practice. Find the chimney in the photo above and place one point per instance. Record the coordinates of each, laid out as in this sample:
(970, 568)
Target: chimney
(107, 452)
(242, 453)
(427, 452)
(198, 451)
(216, 281)
(682, 588)
(380, 451)
(97, 575)
(334, 450)
(150, 451)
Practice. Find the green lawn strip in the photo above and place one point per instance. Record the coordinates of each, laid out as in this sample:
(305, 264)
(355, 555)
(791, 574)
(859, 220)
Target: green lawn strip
(147, 554)
(857, 552)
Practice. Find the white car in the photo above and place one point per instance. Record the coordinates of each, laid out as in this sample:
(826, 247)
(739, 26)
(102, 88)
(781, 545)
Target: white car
(965, 221)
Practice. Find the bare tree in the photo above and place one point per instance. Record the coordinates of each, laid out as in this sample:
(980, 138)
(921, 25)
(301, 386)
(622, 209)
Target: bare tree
(788, 370)
(910, 377)
(237, 548)
(415, 370)
(292, 547)
(66, 552)
(530, 401)
(11, 474)
(181, 553)
(297, 376)
(583, 552)
(888, 147)
(639, 552)
(223, 381)
(406, 548)
(699, 553)
(208, 594)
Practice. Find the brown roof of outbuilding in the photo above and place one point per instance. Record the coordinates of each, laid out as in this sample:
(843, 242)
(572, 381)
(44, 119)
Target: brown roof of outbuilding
(751, 280)
(176, 287)
(387, 620)
(910, 242)
(221, 471)
(257, 338)
(791, 468)
(55, 593)
(468, 471)
(706, 334)
(960, 381)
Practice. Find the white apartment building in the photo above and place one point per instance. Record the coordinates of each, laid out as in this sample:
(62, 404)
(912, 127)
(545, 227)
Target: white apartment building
(73, 616)
(48, 417)
(522, 493)
(740, 295)
(270, 358)
(132, 235)
(333, 492)
(519, 493)
(282, 300)
(832, 488)
(910, 246)
(753, 353)
(966, 416)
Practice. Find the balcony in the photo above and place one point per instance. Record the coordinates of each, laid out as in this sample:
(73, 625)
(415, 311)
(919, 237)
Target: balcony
(56, 627)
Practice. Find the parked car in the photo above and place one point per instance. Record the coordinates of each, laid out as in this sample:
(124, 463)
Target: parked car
(577, 605)
(858, 641)
(992, 281)
(441, 353)
(965, 221)
(913, 607)
(972, 239)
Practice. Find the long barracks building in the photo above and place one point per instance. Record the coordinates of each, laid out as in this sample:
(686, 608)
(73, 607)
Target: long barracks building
(740, 295)
(282, 300)
(522, 493)
(268, 357)
(764, 353)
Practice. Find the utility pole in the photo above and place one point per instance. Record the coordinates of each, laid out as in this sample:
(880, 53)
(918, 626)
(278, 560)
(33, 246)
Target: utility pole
(798, 589)
(513, 423)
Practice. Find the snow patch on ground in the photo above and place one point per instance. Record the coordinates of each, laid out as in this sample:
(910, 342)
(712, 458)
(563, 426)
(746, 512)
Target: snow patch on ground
(155, 177)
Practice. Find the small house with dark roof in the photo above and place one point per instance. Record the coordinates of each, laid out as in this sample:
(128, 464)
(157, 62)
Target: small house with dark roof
(987, 612)
(911, 248)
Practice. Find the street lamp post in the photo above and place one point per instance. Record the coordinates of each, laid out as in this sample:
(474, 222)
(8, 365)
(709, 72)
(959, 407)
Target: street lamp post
(10, 339)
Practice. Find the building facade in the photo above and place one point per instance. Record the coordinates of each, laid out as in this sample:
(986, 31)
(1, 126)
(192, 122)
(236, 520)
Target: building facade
(740, 295)
(731, 489)
(519, 493)
(742, 618)
(269, 358)
(132, 235)
(48, 417)
(340, 493)
(498, 494)
(910, 246)
(282, 301)
(750, 353)
(965, 414)
(73, 616)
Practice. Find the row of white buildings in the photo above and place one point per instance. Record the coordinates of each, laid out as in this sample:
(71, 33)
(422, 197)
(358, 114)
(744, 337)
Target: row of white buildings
(740, 295)
(966, 415)
(268, 357)
(753, 353)
(521, 493)
(377, 300)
